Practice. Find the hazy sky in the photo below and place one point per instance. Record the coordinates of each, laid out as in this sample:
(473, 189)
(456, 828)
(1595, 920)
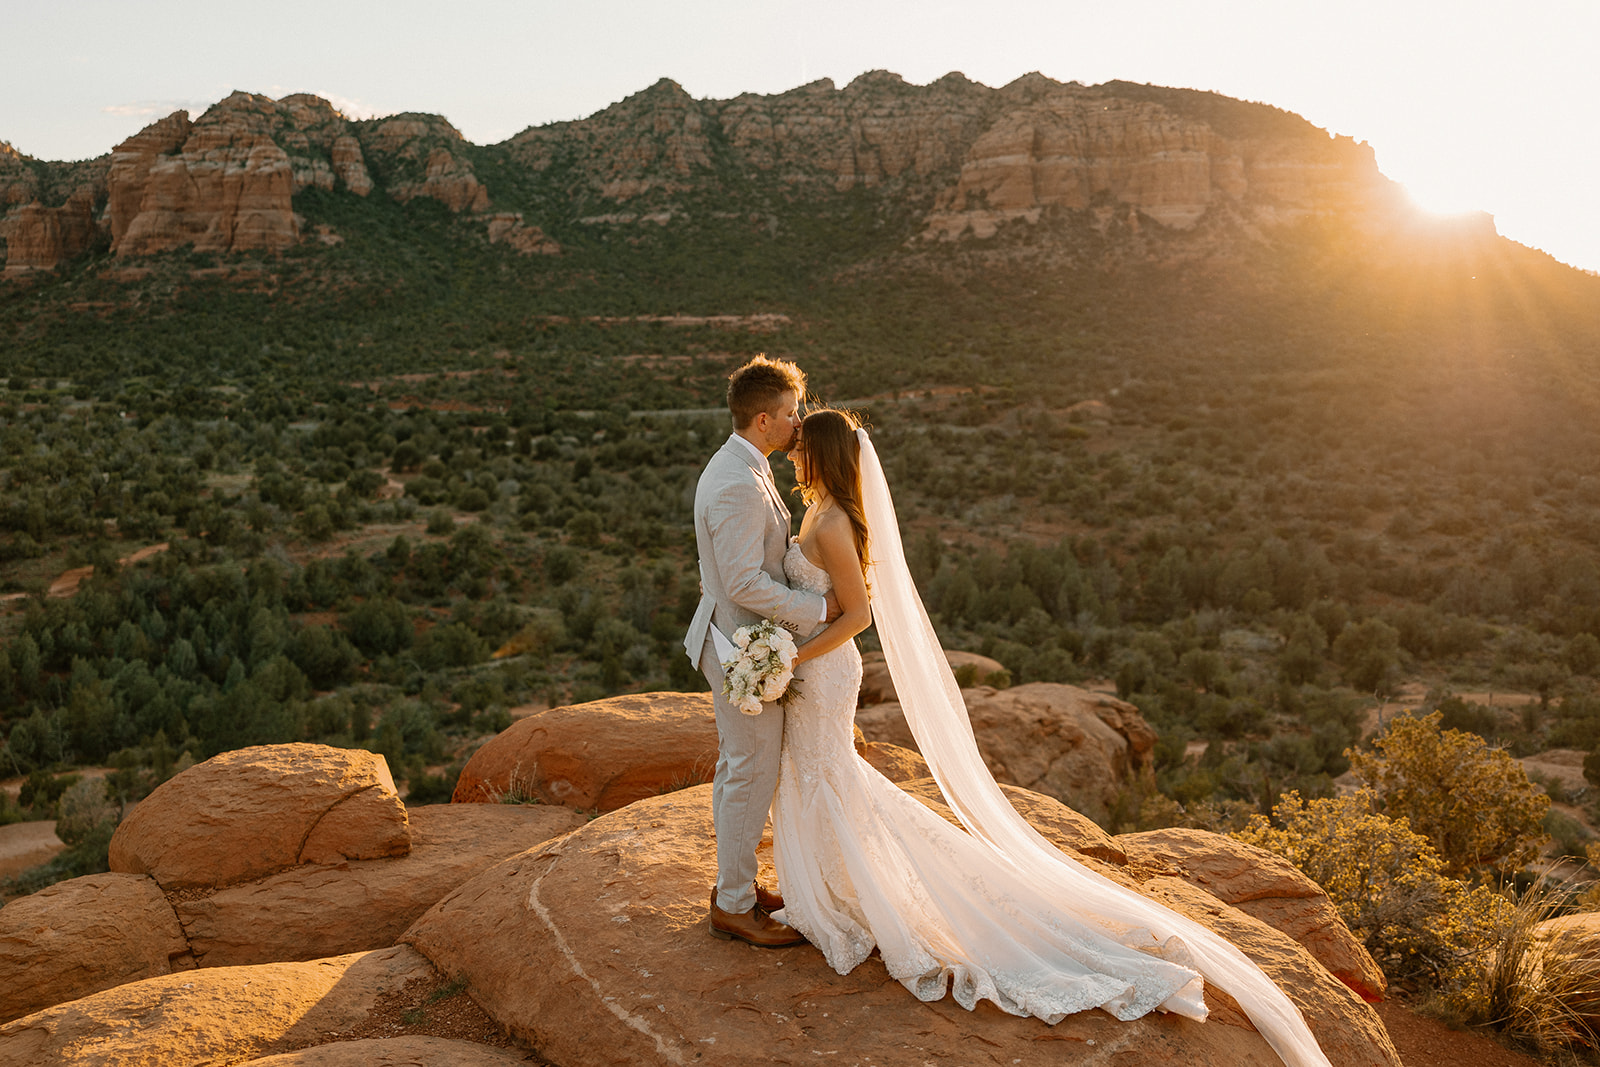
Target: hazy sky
(1472, 104)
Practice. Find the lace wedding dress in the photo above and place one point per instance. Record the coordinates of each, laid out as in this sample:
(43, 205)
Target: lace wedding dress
(996, 913)
(864, 864)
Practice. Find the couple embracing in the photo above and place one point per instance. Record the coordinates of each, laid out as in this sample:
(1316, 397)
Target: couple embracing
(996, 913)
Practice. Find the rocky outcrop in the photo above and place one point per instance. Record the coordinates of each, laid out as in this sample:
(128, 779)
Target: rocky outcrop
(1073, 148)
(350, 165)
(601, 755)
(224, 187)
(84, 935)
(969, 158)
(448, 180)
(877, 687)
(131, 163)
(1266, 886)
(248, 811)
(423, 156)
(613, 966)
(39, 237)
(507, 227)
(254, 812)
(1081, 747)
(319, 910)
(222, 1015)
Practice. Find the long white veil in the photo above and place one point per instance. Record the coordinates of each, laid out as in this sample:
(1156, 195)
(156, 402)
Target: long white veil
(938, 719)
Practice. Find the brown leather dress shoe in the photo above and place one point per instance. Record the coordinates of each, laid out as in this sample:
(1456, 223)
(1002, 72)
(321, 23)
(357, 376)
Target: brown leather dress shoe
(754, 927)
(768, 899)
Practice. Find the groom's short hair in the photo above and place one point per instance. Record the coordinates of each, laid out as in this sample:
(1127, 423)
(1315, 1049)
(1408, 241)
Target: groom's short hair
(756, 386)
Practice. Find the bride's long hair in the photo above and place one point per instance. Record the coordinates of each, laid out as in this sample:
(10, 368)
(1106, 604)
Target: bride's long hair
(832, 455)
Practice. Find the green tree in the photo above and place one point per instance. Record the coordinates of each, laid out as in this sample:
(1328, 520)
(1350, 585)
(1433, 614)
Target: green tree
(379, 627)
(450, 644)
(1369, 652)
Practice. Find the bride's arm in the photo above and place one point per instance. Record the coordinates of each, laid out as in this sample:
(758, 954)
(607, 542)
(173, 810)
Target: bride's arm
(837, 547)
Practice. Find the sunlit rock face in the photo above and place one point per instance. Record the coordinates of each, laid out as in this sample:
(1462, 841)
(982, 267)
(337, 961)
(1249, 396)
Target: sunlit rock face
(1081, 150)
(953, 159)
(977, 157)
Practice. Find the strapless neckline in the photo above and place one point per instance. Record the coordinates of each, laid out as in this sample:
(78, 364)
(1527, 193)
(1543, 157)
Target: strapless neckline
(803, 572)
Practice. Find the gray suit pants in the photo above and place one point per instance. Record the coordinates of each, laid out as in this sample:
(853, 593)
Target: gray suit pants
(748, 747)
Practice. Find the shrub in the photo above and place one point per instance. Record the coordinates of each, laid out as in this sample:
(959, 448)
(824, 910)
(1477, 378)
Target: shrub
(1473, 802)
(449, 645)
(1369, 652)
(379, 627)
(85, 808)
(1386, 881)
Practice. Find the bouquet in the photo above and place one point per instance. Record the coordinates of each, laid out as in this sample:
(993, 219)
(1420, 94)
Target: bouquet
(759, 670)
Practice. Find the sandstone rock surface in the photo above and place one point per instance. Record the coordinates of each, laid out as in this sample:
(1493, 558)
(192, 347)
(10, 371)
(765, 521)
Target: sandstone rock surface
(878, 688)
(221, 184)
(613, 966)
(318, 910)
(39, 237)
(893, 762)
(1268, 887)
(1571, 946)
(253, 812)
(603, 754)
(397, 1052)
(220, 1015)
(83, 935)
(1078, 746)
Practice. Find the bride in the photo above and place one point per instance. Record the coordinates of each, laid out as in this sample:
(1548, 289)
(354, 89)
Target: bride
(997, 913)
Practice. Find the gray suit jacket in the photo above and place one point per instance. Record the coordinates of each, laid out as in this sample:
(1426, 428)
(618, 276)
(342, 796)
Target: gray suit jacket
(741, 528)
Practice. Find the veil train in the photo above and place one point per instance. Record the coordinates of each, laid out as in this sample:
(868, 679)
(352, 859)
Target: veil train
(938, 719)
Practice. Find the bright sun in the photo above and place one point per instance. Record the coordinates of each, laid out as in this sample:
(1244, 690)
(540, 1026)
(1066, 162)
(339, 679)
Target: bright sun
(1443, 198)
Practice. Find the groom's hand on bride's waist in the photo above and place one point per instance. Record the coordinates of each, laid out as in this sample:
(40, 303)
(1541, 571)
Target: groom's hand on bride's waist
(834, 611)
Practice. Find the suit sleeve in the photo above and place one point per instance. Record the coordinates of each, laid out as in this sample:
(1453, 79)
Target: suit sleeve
(737, 519)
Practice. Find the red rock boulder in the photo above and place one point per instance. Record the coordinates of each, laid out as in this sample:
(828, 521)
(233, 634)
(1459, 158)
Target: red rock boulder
(224, 1015)
(247, 814)
(601, 755)
(612, 965)
(318, 910)
(83, 935)
(1081, 747)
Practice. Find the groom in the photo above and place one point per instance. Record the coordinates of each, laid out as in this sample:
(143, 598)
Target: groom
(741, 527)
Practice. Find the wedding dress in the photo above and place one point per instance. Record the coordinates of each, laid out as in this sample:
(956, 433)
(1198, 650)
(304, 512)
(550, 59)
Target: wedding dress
(996, 913)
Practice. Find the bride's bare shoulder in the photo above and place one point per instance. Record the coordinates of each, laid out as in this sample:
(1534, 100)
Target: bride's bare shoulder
(832, 532)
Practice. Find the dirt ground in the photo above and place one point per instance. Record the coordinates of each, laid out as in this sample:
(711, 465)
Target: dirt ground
(27, 844)
(1425, 1042)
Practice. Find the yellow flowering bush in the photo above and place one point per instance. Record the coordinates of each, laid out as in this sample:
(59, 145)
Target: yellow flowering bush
(1473, 802)
(1387, 882)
